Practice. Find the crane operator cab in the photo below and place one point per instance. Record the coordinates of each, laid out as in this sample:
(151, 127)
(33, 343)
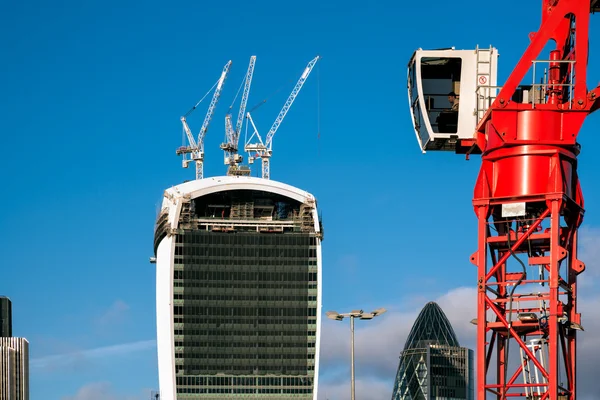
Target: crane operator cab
(449, 91)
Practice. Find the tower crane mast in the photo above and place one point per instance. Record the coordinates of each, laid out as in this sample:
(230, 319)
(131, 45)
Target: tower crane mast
(232, 158)
(196, 148)
(527, 199)
(264, 150)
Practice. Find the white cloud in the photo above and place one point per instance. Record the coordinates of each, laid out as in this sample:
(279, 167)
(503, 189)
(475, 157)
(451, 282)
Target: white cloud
(588, 342)
(103, 391)
(365, 389)
(78, 358)
(588, 349)
(378, 344)
(589, 253)
(116, 313)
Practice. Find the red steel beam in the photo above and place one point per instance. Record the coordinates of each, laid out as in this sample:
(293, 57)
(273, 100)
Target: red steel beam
(529, 154)
(516, 245)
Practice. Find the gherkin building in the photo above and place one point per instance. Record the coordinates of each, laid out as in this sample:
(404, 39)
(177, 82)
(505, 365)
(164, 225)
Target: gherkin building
(432, 363)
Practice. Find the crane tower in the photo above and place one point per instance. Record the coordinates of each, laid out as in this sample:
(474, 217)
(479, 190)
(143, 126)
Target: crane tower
(527, 199)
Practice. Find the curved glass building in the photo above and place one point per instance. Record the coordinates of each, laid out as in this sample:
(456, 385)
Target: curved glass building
(432, 364)
(238, 290)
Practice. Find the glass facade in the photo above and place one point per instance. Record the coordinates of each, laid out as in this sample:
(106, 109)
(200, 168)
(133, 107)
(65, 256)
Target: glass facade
(245, 298)
(5, 317)
(432, 365)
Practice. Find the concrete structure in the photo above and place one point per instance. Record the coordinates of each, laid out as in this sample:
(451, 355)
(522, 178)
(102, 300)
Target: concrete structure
(238, 293)
(432, 364)
(14, 368)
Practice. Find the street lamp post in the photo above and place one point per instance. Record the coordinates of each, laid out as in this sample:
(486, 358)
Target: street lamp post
(353, 314)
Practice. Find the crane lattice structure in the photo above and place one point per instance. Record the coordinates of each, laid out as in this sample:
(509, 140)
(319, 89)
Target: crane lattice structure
(195, 149)
(230, 147)
(529, 206)
(264, 150)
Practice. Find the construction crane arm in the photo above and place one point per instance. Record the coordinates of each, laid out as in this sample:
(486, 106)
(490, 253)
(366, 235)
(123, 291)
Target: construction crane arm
(229, 132)
(244, 101)
(290, 101)
(212, 106)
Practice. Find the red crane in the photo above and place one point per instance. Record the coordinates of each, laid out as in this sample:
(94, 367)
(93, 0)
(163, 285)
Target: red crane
(527, 199)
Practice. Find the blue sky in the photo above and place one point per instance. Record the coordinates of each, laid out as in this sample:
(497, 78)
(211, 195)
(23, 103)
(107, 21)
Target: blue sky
(92, 93)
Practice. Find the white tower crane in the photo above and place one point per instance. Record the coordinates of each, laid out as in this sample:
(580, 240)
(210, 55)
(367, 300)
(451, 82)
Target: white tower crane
(232, 158)
(196, 149)
(264, 150)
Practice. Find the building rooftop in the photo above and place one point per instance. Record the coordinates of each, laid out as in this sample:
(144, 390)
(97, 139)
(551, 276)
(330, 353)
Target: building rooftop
(431, 327)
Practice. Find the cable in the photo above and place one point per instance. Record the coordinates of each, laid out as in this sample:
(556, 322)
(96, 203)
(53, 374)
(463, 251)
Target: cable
(200, 101)
(237, 94)
(266, 98)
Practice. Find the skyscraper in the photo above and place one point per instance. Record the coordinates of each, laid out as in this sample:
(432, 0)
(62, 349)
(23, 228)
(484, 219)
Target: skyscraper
(432, 364)
(5, 317)
(14, 358)
(238, 263)
(14, 368)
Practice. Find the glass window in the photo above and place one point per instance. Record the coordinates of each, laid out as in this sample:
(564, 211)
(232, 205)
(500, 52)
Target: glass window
(245, 314)
(440, 79)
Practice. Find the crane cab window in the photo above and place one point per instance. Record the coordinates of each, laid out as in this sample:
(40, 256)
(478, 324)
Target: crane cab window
(415, 105)
(440, 79)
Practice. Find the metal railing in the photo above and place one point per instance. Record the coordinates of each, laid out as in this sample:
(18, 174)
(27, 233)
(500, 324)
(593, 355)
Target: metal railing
(543, 86)
(485, 97)
(537, 92)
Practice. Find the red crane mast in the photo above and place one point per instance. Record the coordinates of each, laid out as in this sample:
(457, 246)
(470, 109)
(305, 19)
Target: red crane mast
(528, 202)
(529, 206)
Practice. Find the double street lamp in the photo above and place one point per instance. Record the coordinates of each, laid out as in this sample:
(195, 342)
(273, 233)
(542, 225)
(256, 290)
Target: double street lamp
(353, 314)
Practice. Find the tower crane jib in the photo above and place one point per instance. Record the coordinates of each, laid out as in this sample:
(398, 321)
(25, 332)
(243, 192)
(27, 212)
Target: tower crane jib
(212, 106)
(245, 94)
(232, 135)
(196, 148)
(263, 150)
(290, 100)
